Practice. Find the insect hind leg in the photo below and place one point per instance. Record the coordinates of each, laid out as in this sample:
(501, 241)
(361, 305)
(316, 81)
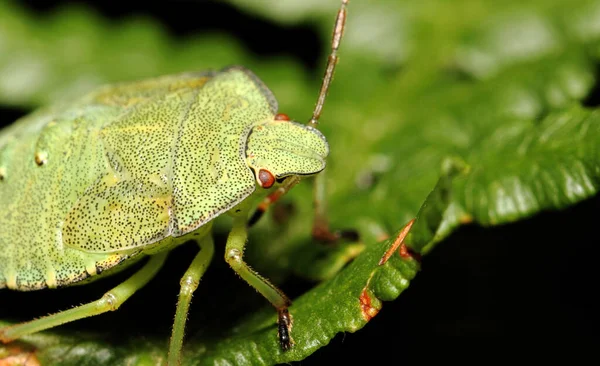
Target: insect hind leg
(109, 302)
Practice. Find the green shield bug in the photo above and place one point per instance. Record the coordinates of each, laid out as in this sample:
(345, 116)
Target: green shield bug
(132, 170)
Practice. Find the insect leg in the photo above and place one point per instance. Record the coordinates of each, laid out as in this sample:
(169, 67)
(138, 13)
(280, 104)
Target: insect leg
(109, 302)
(189, 282)
(321, 230)
(234, 251)
(288, 184)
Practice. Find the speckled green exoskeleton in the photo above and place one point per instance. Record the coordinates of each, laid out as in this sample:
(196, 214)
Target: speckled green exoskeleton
(130, 171)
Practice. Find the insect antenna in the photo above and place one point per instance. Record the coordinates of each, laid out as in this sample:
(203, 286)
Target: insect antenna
(338, 31)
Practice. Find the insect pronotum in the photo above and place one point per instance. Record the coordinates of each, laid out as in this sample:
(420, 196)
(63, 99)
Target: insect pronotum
(132, 170)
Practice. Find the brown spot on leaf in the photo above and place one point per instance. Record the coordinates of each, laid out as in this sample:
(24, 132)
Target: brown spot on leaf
(403, 251)
(406, 253)
(367, 306)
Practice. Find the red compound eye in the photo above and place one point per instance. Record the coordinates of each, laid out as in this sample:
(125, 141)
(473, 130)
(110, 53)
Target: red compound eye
(282, 117)
(265, 178)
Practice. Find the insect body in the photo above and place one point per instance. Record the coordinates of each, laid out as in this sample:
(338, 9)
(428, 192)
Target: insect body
(125, 168)
(132, 170)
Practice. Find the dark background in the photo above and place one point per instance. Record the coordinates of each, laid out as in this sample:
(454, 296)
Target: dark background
(535, 279)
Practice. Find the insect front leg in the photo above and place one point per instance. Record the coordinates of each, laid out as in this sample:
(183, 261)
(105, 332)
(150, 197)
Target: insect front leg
(109, 302)
(234, 252)
(189, 282)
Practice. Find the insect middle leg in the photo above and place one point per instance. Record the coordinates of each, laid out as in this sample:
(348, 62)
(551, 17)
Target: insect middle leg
(109, 302)
(234, 251)
(189, 283)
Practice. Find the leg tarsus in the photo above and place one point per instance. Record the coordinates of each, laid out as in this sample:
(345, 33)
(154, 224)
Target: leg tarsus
(284, 326)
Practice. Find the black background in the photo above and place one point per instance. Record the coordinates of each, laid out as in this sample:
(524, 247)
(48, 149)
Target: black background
(535, 279)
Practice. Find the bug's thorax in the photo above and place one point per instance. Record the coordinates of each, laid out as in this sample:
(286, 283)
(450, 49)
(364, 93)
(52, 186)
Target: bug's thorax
(285, 148)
